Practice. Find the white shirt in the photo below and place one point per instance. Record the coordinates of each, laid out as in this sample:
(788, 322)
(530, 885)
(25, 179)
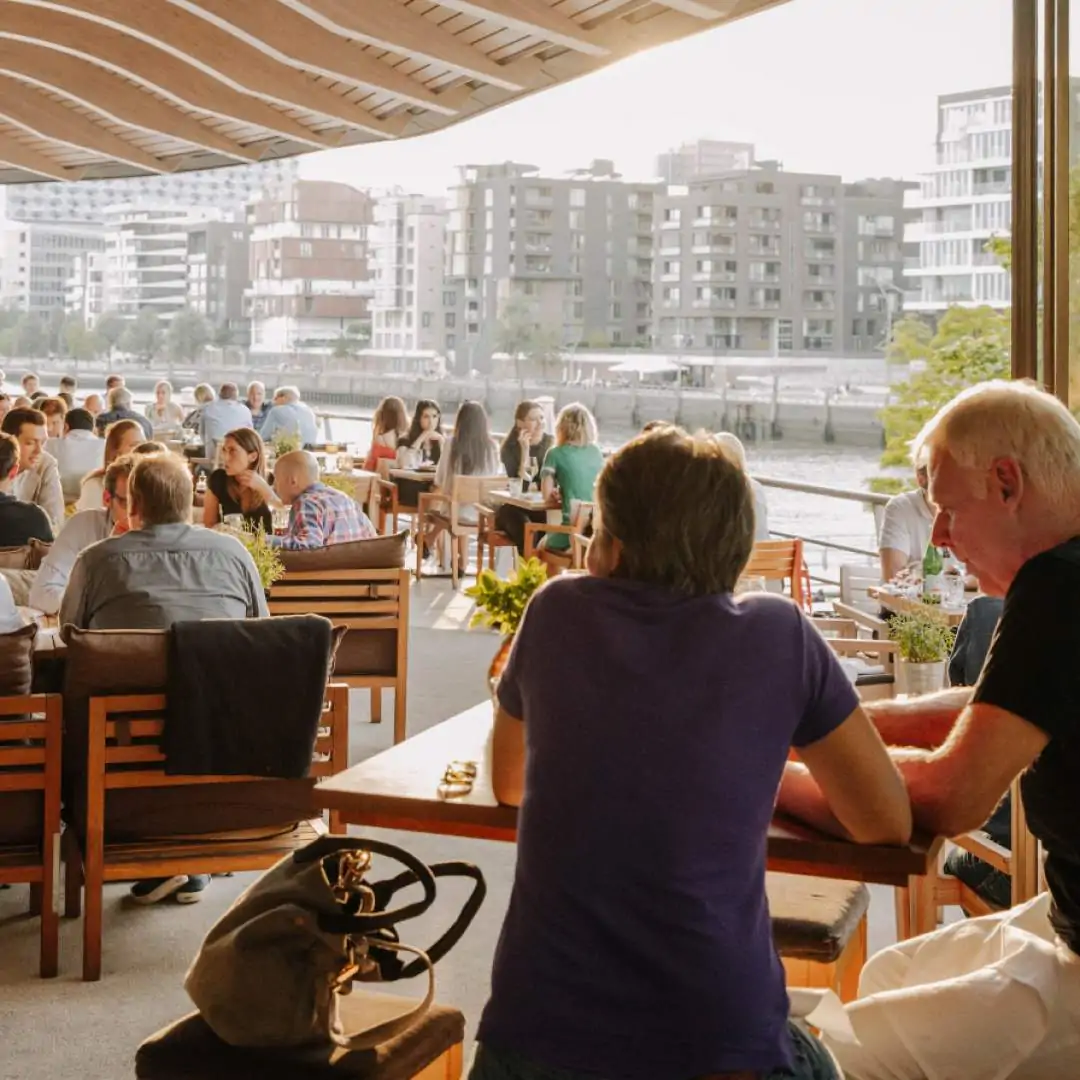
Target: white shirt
(91, 494)
(906, 525)
(10, 619)
(82, 529)
(77, 453)
(41, 486)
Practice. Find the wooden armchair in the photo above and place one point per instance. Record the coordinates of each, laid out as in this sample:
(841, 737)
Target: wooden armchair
(30, 756)
(780, 560)
(375, 496)
(438, 508)
(489, 536)
(573, 557)
(873, 651)
(124, 752)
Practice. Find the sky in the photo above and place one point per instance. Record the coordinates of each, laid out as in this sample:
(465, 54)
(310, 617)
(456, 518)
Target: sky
(836, 86)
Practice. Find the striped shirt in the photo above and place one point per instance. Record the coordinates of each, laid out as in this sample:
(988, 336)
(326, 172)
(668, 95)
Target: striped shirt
(321, 516)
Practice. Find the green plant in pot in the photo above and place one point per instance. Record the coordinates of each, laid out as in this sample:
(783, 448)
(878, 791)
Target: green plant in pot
(285, 442)
(501, 602)
(266, 557)
(925, 643)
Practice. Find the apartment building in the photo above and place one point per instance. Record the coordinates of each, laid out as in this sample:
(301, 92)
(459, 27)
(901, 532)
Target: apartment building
(763, 260)
(309, 268)
(36, 261)
(572, 253)
(408, 238)
(84, 294)
(225, 192)
(218, 256)
(702, 158)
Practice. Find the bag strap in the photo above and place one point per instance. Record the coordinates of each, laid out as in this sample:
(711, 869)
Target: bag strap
(384, 891)
(363, 922)
(366, 1038)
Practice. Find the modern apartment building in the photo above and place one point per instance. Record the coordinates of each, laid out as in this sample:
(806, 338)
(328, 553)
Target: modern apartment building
(309, 270)
(572, 255)
(36, 261)
(84, 295)
(407, 243)
(763, 260)
(218, 256)
(701, 158)
(224, 192)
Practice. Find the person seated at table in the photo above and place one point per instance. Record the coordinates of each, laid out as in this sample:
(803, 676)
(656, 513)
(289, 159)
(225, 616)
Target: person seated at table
(290, 416)
(203, 394)
(80, 451)
(163, 569)
(905, 528)
(120, 401)
(650, 906)
(93, 404)
(761, 506)
(113, 381)
(68, 385)
(257, 403)
(120, 438)
(571, 467)
(83, 528)
(230, 491)
(54, 410)
(20, 522)
(319, 516)
(425, 435)
(30, 385)
(6, 405)
(389, 426)
(11, 618)
(522, 452)
(38, 481)
(165, 415)
(220, 417)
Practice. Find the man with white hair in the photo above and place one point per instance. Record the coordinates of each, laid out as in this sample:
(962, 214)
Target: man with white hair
(120, 409)
(290, 416)
(1004, 479)
(761, 506)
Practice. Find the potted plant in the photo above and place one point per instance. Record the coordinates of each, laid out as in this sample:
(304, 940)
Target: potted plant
(500, 604)
(267, 558)
(285, 442)
(924, 642)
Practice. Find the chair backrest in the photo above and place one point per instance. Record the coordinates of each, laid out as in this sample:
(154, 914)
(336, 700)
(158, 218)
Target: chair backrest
(367, 493)
(779, 560)
(30, 767)
(470, 490)
(855, 579)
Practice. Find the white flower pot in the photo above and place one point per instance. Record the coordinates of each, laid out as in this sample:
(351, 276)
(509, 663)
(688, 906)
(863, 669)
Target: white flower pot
(920, 678)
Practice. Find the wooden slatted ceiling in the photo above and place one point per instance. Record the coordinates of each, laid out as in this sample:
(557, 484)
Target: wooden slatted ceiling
(103, 88)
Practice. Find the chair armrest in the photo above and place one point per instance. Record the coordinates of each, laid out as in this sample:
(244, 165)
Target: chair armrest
(980, 845)
(534, 527)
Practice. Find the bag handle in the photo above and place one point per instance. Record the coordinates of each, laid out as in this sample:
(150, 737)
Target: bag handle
(364, 922)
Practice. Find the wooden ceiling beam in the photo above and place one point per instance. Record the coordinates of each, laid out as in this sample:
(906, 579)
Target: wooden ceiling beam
(202, 45)
(34, 110)
(389, 25)
(533, 17)
(108, 93)
(18, 156)
(298, 40)
(151, 66)
(702, 9)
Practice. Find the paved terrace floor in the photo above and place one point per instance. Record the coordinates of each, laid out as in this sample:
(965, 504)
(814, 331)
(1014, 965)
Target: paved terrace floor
(64, 1029)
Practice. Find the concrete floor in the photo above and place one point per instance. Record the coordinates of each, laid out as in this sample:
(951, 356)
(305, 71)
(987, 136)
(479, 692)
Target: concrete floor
(64, 1029)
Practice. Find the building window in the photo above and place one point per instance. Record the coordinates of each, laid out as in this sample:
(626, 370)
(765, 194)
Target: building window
(577, 196)
(450, 320)
(425, 320)
(449, 299)
(305, 250)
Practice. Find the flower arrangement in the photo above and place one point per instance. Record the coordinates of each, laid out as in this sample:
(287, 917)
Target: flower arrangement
(501, 603)
(267, 558)
(922, 639)
(285, 442)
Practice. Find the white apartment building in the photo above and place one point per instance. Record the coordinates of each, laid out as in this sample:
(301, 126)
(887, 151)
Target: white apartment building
(408, 240)
(964, 200)
(36, 261)
(84, 296)
(702, 158)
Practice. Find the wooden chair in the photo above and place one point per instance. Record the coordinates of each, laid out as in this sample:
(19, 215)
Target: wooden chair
(573, 558)
(30, 756)
(124, 751)
(780, 560)
(373, 494)
(374, 605)
(489, 537)
(844, 640)
(438, 507)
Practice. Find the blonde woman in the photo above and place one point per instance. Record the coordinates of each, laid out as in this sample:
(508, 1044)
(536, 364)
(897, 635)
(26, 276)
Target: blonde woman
(571, 466)
(164, 414)
(121, 438)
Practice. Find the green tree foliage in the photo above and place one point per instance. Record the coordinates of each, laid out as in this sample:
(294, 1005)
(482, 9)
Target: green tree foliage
(109, 329)
(31, 336)
(81, 343)
(142, 336)
(521, 337)
(188, 334)
(223, 335)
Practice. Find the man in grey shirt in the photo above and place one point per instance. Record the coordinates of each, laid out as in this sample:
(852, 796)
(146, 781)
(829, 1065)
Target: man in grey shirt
(163, 570)
(220, 417)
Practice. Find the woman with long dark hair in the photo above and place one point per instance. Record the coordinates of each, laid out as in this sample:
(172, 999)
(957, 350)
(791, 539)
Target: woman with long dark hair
(425, 433)
(523, 450)
(228, 491)
(388, 425)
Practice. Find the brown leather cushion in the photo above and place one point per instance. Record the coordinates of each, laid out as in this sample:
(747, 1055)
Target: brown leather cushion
(814, 918)
(17, 660)
(189, 1050)
(366, 652)
(380, 553)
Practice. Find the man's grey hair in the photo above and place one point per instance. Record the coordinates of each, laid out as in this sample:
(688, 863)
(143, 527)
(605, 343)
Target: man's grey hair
(290, 395)
(1017, 420)
(120, 398)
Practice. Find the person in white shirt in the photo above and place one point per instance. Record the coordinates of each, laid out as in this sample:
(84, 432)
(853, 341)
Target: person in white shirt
(10, 619)
(761, 506)
(291, 416)
(905, 528)
(80, 451)
(83, 529)
(220, 417)
(121, 438)
(38, 481)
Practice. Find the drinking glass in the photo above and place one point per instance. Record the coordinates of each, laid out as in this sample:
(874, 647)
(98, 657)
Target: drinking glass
(514, 486)
(530, 472)
(234, 521)
(280, 519)
(952, 591)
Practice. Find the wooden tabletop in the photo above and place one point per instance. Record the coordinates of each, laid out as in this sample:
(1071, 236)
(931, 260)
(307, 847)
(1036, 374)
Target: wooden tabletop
(913, 605)
(421, 476)
(533, 500)
(399, 789)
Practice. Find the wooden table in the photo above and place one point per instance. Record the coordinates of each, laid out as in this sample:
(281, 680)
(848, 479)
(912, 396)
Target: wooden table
(398, 789)
(419, 476)
(910, 605)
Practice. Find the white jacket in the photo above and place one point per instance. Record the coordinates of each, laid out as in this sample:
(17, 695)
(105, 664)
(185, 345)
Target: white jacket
(82, 529)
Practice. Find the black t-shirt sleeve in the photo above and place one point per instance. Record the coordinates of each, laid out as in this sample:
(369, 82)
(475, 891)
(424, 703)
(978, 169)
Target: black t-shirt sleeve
(218, 485)
(510, 455)
(1031, 668)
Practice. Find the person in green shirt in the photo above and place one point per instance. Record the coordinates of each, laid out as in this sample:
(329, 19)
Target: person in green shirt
(571, 466)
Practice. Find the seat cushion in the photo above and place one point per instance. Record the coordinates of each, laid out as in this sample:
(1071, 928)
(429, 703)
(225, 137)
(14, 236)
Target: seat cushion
(379, 553)
(189, 1050)
(814, 918)
(17, 661)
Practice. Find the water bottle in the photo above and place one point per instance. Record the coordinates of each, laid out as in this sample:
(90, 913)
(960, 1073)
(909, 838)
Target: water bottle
(933, 568)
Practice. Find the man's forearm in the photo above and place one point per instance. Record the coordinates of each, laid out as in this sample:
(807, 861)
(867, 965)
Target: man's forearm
(923, 722)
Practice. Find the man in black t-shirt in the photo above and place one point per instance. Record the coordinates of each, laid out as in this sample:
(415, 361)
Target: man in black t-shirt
(20, 522)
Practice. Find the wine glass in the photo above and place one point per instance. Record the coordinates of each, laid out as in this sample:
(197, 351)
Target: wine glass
(530, 471)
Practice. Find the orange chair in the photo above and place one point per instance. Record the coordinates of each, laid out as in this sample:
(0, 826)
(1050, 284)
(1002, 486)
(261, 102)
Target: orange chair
(780, 560)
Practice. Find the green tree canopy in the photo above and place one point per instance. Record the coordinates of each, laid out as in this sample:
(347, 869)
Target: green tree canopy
(82, 344)
(109, 328)
(188, 334)
(142, 336)
(520, 335)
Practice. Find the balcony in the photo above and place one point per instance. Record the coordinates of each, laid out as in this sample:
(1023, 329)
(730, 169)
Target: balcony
(764, 305)
(670, 277)
(714, 304)
(1000, 187)
(716, 223)
(675, 224)
(765, 279)
(765, 226)
(715, 275)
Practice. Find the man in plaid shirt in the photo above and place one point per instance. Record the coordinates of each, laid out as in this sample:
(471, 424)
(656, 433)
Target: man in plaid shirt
(319, 515)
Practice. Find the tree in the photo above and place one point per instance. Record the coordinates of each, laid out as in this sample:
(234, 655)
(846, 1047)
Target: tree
(31, 336)
(520, 336)
(188, 333)
(82, 344)
(910, 341)
(142, 336)
(57, 324)
(109, 329)
(222, 336)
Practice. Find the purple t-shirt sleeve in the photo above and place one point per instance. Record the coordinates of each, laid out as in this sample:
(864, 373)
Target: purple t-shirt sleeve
(830, 697)
(510, 690)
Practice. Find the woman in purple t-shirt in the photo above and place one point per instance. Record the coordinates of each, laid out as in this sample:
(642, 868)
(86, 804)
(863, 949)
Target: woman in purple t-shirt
(645, 716)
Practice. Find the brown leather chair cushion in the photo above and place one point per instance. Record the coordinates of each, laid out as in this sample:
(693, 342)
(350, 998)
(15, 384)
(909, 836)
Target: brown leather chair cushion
(189, 1050)
(814, 918)
(380, 553)
(17, 661)
(366, 652)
